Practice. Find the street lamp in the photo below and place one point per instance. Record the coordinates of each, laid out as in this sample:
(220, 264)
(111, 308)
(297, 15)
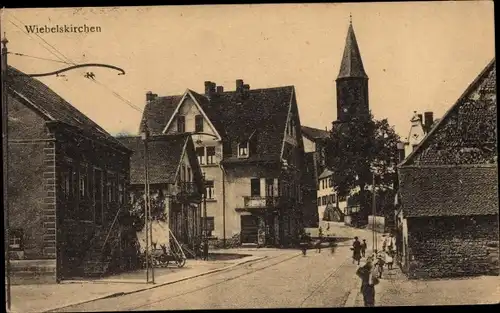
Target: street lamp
(147, 204)
(5, 145)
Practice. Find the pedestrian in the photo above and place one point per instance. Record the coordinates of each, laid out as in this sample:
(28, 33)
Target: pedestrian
(332, 247)
(380, 262)
(356, 250)
(303, 244)
(363, 248)
(318, 243)
(368, 282)
(391, 243)
(389, 259)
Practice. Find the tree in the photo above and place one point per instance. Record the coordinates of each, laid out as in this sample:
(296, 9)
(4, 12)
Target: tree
(358, 148)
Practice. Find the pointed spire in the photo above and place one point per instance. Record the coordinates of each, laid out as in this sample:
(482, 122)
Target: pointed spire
(352, 65)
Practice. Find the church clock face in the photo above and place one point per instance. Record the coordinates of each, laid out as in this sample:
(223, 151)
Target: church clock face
(345, 110)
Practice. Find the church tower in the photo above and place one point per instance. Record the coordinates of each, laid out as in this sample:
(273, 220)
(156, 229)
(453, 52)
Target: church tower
(352, 82)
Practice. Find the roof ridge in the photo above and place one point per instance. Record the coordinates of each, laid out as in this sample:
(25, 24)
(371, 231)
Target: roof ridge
(447, 114)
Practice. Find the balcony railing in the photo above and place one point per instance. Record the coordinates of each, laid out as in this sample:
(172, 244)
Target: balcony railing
(261, 201)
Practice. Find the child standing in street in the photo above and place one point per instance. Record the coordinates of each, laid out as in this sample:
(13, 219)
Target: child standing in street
(363, 248)
(389, 259)
(380, 262)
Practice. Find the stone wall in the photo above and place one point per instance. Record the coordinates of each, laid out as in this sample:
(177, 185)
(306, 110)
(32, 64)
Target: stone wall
(453, 246)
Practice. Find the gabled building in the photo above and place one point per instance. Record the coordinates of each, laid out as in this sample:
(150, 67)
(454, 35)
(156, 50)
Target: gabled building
(314, 146)
(250, 149)
(448, 190)
(418, 130)
(68, 181)
(175, 184)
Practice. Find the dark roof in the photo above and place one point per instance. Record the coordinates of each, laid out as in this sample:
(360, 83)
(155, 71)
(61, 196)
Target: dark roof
(314, 133)
(158, 111)
(466, 134)
(352, 65)
(164, 152)
(237, 115)
(449, 191)
(48, 103)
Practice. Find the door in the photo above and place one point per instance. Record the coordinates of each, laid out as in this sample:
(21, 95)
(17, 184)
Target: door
(249, 229)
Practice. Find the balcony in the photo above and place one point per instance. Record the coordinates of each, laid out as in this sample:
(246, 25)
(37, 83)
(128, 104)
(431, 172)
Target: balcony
(261, 201)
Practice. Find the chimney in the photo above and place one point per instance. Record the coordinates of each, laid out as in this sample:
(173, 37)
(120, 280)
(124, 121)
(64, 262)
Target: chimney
(239, 84)
(429, 119)
(150, 96)
(220, 89)
(208, 87)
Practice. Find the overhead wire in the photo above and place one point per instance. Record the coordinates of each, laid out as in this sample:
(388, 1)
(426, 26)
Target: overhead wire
(66, 60)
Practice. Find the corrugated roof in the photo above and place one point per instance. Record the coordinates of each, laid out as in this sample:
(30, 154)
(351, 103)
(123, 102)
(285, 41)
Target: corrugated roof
(352, 65)
(36, 94)
(449, 191)
(164, 152)
(314, 133)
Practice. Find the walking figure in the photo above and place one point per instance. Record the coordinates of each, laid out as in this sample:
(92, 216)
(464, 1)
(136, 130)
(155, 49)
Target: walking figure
(332, 247)
(368, 282)
(363, 248)
(380, 262)
(318, 243)
(389, 258)
(303, 244)
(356, 250)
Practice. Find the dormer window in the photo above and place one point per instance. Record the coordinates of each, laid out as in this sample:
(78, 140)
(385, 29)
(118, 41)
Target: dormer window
(198, 120)
(181, 124)
(243, 150)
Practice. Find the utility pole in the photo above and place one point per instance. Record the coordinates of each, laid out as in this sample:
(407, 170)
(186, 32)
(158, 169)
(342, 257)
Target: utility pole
(147, 204)
(5, 149)
(374, 207)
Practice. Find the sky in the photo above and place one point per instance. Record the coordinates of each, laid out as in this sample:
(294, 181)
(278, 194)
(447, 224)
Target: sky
(419, 56)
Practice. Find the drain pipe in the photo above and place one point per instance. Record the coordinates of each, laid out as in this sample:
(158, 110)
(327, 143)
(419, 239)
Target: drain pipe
(223, 206)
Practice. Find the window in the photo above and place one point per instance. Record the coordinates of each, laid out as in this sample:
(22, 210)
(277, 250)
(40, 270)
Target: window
(209, 185)
(243, 150)
(210, 155)
(198, 121)
(83, 184)
(255, 187)
(16, 239)
(111, 189)
(200, 152)
(319, 201)
(269, 187)
(324, 200)
(210, 225)
(98, 196)
(189, 177)
(330, 182)
(67, 179)
(121, 193)
(181, 124)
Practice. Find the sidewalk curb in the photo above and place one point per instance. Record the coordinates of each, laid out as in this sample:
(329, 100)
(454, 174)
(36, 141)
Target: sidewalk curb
(117, 294)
